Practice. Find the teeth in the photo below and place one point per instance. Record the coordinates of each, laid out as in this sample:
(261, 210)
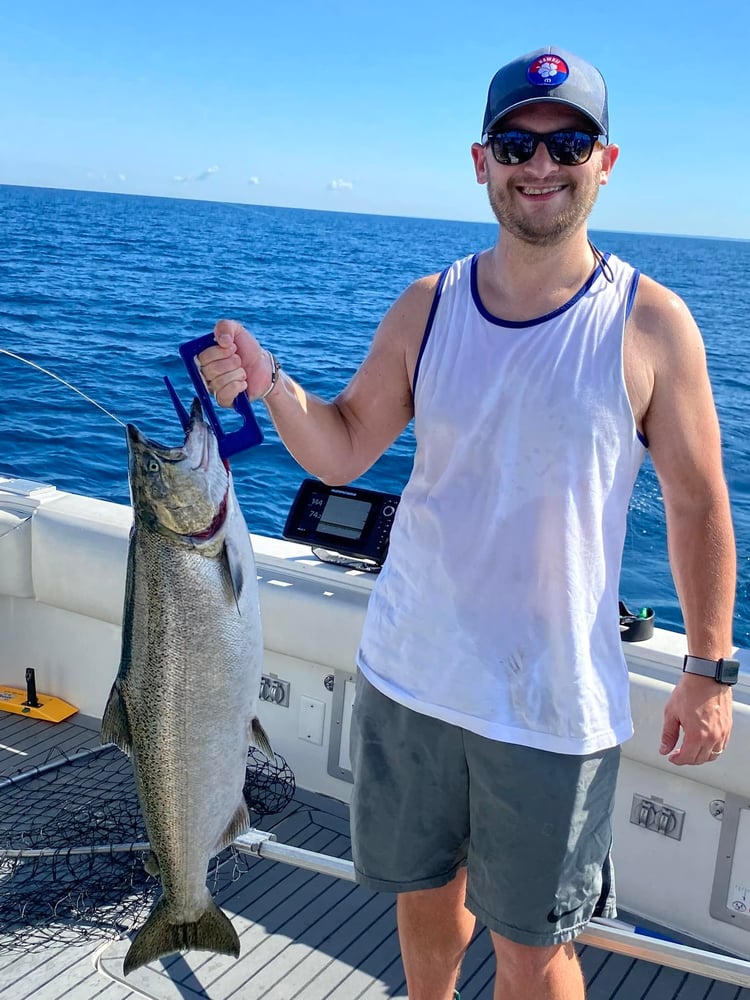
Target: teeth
(547, 190)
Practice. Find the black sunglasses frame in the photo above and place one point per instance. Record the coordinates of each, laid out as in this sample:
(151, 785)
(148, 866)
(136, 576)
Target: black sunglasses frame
(555, 143)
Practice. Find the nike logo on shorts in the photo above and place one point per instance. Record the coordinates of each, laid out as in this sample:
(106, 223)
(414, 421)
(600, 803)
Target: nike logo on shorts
(554, 914)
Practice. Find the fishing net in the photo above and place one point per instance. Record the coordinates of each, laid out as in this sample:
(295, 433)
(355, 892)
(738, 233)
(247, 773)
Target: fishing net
(72, 844)
(269, 785)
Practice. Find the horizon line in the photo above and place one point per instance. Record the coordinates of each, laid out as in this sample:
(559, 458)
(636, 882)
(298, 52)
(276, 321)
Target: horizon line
(334, 211)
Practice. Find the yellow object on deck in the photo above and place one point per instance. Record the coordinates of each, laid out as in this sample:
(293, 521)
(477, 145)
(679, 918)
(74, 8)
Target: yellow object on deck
(37, 706)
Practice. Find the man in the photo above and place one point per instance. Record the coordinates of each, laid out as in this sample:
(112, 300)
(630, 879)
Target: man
(492, 691)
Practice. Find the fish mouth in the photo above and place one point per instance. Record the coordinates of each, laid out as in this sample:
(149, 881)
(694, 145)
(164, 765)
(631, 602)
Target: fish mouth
(215, 525)
(134, 436)
(199, 429)
(204, 458)
(136, 440)
(197, 433)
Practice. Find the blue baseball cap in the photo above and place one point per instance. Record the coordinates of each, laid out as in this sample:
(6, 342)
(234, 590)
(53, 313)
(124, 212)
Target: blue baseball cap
(549, 74)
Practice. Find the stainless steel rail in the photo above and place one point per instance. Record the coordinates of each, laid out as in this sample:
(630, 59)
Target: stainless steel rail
(608, 934)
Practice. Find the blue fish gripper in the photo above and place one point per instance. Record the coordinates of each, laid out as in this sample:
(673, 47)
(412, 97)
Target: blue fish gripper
(230, 442)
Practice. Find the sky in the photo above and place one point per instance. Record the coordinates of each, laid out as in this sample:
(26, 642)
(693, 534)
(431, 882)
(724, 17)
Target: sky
(372, 107)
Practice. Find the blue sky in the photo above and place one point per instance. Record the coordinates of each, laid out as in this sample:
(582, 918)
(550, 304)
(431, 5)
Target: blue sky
(367, 106)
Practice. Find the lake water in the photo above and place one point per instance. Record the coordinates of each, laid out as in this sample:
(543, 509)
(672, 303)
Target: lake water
(102, 288)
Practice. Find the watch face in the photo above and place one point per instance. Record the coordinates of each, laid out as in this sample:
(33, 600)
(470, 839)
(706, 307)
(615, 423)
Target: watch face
(728, 671)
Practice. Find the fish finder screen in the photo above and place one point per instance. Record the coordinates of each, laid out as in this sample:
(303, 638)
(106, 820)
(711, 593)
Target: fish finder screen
(344, 517)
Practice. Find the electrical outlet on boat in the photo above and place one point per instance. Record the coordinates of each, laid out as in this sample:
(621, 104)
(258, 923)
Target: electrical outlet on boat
(275, 690)
(652, 813)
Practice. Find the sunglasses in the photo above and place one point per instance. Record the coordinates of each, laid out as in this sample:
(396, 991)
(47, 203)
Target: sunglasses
(569, 147)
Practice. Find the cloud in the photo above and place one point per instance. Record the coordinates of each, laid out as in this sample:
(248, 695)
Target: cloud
(206, 173)
(202, 176)
(340, 185)
(254, 180)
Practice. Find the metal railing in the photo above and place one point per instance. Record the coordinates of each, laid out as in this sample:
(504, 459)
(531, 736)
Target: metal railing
(612, 935)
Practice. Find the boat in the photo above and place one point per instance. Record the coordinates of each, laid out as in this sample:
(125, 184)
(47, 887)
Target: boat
(681, 835)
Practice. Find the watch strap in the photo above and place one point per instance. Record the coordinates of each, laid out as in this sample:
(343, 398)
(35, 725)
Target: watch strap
(725, 670)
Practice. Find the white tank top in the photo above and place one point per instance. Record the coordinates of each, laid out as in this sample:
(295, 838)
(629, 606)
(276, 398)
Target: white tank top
(497, 607)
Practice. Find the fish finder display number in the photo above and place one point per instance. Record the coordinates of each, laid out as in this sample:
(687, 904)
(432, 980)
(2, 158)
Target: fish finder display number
(343, 519)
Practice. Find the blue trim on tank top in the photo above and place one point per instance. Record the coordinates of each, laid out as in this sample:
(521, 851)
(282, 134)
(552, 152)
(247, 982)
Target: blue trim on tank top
(428, 327)
(631, 291)
(628, 309)
(520, 324)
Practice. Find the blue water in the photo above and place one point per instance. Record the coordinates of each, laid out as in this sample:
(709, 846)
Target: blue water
(102, 288)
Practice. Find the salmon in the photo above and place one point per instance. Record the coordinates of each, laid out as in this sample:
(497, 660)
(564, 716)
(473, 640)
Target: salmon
(185, 700)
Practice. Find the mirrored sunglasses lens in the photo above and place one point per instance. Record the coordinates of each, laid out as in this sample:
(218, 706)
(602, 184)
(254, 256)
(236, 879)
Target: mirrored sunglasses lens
(570, 147)
(510, 148)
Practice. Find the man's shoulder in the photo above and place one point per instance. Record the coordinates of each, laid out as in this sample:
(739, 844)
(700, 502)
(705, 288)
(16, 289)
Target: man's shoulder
(661, 330)
(415, 303)
(416, 300)
(426, 285)
(658, 309)
(406, 318)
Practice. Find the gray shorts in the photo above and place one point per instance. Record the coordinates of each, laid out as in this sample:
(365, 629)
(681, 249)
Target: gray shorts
(533, 827)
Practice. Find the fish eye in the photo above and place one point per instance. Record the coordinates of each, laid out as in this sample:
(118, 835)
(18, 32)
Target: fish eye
(152, 465)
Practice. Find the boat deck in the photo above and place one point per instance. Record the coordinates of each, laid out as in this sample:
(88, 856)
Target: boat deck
(303, 934)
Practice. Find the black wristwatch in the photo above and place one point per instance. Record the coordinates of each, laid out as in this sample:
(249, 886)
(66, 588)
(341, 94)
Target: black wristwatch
(724, 671)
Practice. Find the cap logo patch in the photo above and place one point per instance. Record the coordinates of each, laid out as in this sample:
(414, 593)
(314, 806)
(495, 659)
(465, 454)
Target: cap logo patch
(547, 71)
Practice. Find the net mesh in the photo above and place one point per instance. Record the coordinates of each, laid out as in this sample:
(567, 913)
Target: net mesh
(72, 841)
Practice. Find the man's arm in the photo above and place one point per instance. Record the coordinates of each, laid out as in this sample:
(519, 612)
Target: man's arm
(339, 440)
(682, 428)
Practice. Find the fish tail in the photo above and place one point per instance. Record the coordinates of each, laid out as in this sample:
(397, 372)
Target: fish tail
(158, 937)
(260, 739)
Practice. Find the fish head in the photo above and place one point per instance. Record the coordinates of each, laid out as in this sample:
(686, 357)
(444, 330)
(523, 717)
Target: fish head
(181, 490)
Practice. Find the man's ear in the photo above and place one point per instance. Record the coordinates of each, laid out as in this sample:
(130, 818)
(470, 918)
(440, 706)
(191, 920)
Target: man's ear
(479, 157)
(609, 158)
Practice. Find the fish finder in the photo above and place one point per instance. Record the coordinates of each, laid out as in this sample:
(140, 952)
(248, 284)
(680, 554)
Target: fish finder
(347, 520)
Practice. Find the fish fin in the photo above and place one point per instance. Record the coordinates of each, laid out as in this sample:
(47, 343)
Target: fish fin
(115, 725)
(212, 931)
(237, 825)
(259, 738)
(151, 864)
(234, 566)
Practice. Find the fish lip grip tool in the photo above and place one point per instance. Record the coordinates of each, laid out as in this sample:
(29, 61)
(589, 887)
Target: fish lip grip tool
(230, 442)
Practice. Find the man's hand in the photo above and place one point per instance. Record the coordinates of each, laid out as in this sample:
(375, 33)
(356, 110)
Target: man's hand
(702, 708)
(236, 364)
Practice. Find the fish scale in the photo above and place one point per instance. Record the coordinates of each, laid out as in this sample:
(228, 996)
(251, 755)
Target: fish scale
(184, 703)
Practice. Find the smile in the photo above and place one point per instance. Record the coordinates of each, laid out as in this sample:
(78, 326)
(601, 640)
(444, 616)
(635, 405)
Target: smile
(536, 191)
